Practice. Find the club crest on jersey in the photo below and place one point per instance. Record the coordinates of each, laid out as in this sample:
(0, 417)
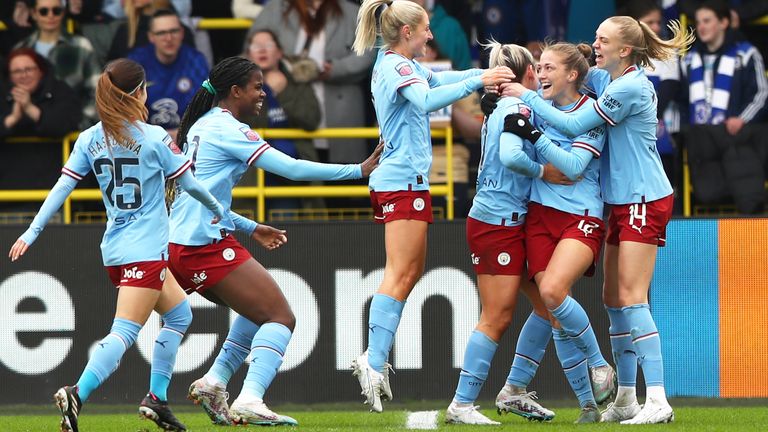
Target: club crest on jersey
(228, 254)
(504, 258)
(162, 275)
(250, 133)
(404, 69)
(183, 84)
(418, 204)
(171, 144)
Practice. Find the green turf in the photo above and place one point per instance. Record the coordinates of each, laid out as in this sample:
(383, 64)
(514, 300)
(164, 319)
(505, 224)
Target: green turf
(686, 418)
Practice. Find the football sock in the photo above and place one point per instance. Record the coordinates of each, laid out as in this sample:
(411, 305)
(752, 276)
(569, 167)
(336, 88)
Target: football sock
(645, 338)
(175, 324)
(233, 352)
(106, 356)
(621, 345)
(477, 361)
(575, 367)
(531, 345)
(382, 325)
(575, 322)
(267, 350)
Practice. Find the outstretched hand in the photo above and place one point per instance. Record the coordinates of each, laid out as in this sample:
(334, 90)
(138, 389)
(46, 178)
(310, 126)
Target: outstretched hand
(18, 249)
(497, 75)
(270, 238)
(372, 161)
(513, 89)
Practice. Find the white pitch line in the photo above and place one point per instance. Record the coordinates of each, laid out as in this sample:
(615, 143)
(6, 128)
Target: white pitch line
(422, 420)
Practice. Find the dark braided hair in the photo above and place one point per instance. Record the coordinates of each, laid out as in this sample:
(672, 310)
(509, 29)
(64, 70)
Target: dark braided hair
(228, 72)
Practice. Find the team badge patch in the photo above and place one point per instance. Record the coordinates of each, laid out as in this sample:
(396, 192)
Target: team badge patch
(503, 258)
(162, 274)
(525, 111)
(404, 69)
(418, 204)
(228, 254)
(250, 134)
(183, 84)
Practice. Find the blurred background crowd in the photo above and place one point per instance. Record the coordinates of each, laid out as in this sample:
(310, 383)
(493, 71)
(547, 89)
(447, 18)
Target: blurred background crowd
(712, 100)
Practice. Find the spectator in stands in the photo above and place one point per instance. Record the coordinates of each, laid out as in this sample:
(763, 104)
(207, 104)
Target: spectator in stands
(71, 55)
(326, 29)
(448, 32)
(248, 9)
(725, 89)
(173, 68)
(134, 32)
(34, 102)
(288, 104)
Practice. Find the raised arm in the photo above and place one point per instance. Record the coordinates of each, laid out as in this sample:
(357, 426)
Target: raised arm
(513, 157)
(432, 99)
(283, 165)
(572, 124)
(56, 197)
(450, 77)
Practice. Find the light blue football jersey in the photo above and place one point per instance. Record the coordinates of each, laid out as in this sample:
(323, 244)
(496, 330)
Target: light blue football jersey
(583, 197)
(132, 181)
(221, 149)
(502, 195)
(407, 156)
(631, 166)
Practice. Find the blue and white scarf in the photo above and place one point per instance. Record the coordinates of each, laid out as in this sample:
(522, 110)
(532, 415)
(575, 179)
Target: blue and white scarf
(713, 112)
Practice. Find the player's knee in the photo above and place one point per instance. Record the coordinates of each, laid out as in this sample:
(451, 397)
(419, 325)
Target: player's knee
(180, 317)
(552, 293)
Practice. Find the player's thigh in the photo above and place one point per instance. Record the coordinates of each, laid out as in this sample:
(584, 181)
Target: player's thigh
(252, 292)
(635, 271)
(498, 297)
(531, 291)
(136, 303)
(406, 249)
(170, 296)
(568, 263)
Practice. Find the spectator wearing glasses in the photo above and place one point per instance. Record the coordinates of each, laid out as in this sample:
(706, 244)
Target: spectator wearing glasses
(174, 70)
(134, 32)
(71, 55)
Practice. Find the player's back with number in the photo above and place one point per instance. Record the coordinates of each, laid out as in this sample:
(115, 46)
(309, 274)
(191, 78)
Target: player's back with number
(132, 178)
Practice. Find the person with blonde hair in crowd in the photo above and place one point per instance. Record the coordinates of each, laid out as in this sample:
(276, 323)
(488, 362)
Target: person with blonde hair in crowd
(131, 160)
(404, 92)
(634, 183)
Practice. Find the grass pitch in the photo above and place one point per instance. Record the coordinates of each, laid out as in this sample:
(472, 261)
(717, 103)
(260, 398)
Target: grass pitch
(125, 418)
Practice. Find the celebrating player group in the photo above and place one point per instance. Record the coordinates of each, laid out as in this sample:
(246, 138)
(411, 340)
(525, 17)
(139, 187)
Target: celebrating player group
(559, 139)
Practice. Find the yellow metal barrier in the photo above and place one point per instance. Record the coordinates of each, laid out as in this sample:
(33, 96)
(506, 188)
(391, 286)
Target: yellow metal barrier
(261, 192)
(224, 24)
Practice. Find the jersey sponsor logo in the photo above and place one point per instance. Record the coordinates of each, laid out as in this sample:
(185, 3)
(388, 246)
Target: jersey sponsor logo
(596, 133)
(475, 259)
(183, 84)
(404, 69)
(388, 208)
(418, 204)
(637, 216)
(587, 227)
(249, 133)
(611, 103)
(503, 259)
(133, 273)
(199, 278)
(162, 275)
(228, 254)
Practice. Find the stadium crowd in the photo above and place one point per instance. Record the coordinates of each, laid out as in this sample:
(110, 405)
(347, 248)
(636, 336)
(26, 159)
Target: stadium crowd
(711, 102)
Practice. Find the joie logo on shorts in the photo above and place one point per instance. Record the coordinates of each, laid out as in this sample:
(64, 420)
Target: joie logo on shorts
(587, 227)
(228, 254)
(504, 258)
(475, 259)
(637, 212)
(418, 204)
(387, 208)
(132, 273)
(199, 278)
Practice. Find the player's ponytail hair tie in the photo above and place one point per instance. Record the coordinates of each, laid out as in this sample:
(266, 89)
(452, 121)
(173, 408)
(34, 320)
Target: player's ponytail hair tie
(208, 87)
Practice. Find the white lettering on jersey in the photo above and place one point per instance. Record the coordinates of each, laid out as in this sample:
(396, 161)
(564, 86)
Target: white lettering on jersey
(387, 208)
(199, 278)
(133, 273)
(637, 212)
(475, 259)
(587, 227)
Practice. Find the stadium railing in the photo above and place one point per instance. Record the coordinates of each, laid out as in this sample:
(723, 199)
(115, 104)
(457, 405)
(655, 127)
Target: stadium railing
(260, 192)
